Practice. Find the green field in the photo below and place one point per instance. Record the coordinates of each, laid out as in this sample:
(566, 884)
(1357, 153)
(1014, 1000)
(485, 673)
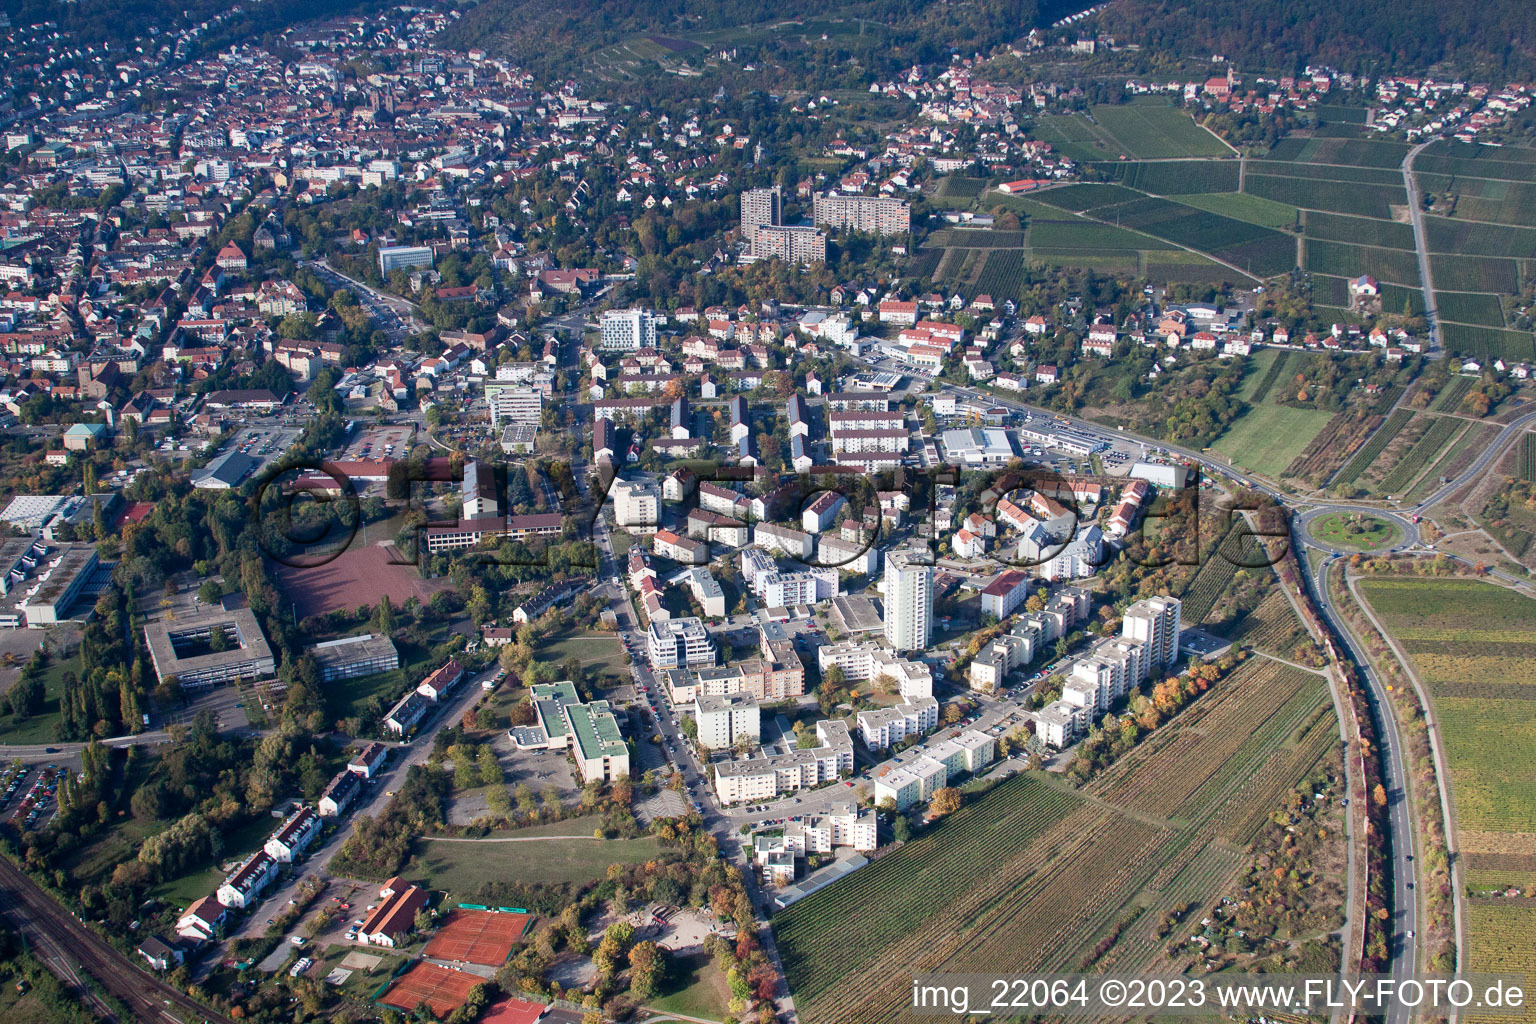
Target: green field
(1033, 875)
(1078, 198)
(1173, 177)
(1086, 234)
(694, 987)
(1501, 940)
(1320, 194)
(593, 649)
(1465, 238)
(1470, 308)
(1358, 230)
(1241, 206)
(460, 868)
(1268, 438)
(1353, 152)
(1488, 342)
(41, 727)
(1136, 131)
(1349, 261)
(1325, 172)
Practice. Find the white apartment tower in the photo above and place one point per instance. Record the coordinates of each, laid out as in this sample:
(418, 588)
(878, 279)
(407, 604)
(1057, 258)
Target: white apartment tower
(908, 601)
(626, 330)
(636, 505)
(1154, 624)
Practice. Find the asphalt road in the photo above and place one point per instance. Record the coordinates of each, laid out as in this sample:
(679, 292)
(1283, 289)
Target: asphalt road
(1421, 249)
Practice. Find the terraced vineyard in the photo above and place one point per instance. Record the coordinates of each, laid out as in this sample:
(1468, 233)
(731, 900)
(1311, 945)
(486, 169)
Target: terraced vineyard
(1525, 462)
(1367, 453)
(1031, 875)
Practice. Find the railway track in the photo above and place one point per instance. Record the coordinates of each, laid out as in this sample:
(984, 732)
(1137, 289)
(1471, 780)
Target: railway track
(70, 949)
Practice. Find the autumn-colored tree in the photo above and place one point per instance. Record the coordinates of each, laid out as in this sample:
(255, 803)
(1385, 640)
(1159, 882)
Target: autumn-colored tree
(946, 800)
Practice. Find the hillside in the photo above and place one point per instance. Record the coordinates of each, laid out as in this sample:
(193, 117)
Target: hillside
(1369, 35)
(864, 38)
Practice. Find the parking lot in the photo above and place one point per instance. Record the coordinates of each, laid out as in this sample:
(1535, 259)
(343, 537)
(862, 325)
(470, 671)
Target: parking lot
(28, 798)
(387, 442)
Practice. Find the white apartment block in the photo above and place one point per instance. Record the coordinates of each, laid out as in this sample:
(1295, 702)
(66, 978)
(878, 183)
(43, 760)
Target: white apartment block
(516, 405)
(679, 643)
(1154, 624)
(845, 824)
(725, 721)
(886, 727)
(707, 591)
(790, 589)
(970, 752)
(990, 668)
(636, 505)
(869, 660)
(763, 778)
(908, 601)
(875, 214)
(913, 782)
(627, 330)
(847, 555)
(1057, 724)
(771, 537)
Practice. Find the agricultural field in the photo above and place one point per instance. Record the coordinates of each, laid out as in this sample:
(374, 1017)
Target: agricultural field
(1466, 448)
(1473, 644)
(1087, 234)
(1257, 250)
(1266, 213)
(1031, 875)
(1488, 342)
(1422, 455)
(1344, 260)
(954, 186)
(1263, 370)
(1326, 452)
(1470, 308)
(1173, 177)
(1373, 447)
(1136, 131)
(1474, 273)
(1351, 151)
(1078, 198)
(1500, 940)
(1444, 235)
(1268, 438)
(1525, 461)
(1349, 197)
(1325, 172)
(1358, 230)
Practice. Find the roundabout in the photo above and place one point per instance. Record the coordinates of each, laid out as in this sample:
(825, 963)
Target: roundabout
(1354, 530)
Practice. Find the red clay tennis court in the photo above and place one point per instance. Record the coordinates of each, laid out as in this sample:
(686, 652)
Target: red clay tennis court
(441, 989)
(478, 936)
(513, 1011)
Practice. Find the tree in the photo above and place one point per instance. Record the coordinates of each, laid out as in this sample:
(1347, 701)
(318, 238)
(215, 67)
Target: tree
(210, 592)
(946, 800)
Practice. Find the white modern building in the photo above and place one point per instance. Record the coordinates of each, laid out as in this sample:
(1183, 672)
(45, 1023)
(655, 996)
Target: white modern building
(626, 330)
(679, 643)
(636, 505)
(886, 727)
(726, 721)
(908, 601)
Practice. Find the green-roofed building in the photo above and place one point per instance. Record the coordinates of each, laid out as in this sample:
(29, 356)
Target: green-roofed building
(589, 731)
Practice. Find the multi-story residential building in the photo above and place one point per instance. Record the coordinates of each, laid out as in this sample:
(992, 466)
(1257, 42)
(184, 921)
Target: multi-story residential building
(636, 505)
(680, 549)
(1154, 624)
(760, 208)
(1005, 593)
(772, 537)
(763, 778)
(725, 721)
(244, 886)
(480, 495)
(885, 727)
(876, 214)
(844, 824)
(790, 243)
(290, 841)
(847, 555)
(913, 782)
(792, 589)
(516, 405)
(908, 601)
(707, 591)
(679, 643)
(627, 330)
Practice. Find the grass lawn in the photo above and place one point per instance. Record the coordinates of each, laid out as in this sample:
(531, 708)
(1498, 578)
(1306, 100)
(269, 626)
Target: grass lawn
(237, 844)
(39, 727)
(460, 868)
(1242, 206)
(1268, 438)
(622, 541)
(593, 649)
(1257, 369)
(1339, 529)
(694, 988)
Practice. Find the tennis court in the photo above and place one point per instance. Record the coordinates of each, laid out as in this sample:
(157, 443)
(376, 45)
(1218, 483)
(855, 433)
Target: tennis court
(478, 936)
(441, 989)
(513, 1011)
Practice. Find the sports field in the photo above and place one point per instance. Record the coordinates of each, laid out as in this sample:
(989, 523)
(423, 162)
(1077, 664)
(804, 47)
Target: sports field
(460, 868)
(441, 989)
(478, 936)
(1268, 438)
(1136, 131)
